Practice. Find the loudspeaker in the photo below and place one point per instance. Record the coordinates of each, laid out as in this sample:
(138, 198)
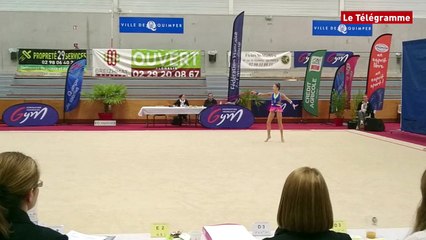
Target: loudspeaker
(374, 124)
(14, 56)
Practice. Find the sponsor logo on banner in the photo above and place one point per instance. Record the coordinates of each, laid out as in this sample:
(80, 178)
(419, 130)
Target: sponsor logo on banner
(312, 82)
(316, 63)
(332, 58)
(151, 25)
(226, 116)
(141, 63)
(377, 17)
(30, 114)
(382, 48)
(267, 61)
(47, 62)
(336, 28)
(377, 70)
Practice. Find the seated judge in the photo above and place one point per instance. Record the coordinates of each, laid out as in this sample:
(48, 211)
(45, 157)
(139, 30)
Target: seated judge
(305, 211)
(210, 101)
(19, 189)
(364, 109)
(182, 102)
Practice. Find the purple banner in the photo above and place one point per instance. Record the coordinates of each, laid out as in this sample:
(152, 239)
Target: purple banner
(235, 59)
(332, 58)
(226, 116)
(343, 80)
(73, 84)
(338, 85)
(30, 114)
(288, 111)
(349, 77)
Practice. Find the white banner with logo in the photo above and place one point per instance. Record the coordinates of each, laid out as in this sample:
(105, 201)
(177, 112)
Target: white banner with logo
(112, 62)
(265, 60)
(146, 63)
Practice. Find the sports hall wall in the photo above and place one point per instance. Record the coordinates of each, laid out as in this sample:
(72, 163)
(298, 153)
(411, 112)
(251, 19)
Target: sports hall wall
(204, 32)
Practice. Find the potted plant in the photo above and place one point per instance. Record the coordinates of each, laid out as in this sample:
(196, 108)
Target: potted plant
(247, 99)
(338, 105)
(109, 95)
(352, 124)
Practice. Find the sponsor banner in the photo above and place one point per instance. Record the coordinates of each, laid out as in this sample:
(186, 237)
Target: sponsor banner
(377, 17)
(151, 25)
(235, 59)
(146, 63)
(30, 114)
(312, 82)
(288, 111)
(47, 62)
(378, 70)
(73, 84)
(226, 116)
(336, 28)
(332, 58)
(343, 81)
(349, 77)
(261, 60)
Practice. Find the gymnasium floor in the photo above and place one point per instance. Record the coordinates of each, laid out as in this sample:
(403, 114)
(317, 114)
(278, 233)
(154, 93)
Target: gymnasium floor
(123, 181)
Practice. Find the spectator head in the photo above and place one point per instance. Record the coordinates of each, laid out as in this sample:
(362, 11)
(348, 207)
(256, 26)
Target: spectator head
(420, 223)
(365, 98)
(305, 204)
(19, 183)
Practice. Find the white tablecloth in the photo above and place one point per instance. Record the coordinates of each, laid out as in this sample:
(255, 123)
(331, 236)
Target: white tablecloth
(383, 233)
(145, 111)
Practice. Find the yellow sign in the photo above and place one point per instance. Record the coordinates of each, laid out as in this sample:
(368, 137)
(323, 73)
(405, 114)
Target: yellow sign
(339, 226)
(159, 230)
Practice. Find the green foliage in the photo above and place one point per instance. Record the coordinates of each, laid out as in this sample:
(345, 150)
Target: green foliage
(108, 94)
(247, 99)
(338, 103)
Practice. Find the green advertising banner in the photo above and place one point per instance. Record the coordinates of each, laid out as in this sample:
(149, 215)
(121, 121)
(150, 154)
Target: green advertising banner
(47, 62)
(154, 59)
(312, 82)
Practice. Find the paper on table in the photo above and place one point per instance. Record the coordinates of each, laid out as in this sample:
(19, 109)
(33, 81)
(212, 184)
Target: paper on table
(227, 232)
(73, 235)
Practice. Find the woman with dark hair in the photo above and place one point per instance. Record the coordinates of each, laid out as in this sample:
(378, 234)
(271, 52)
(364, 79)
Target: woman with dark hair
(276, 108)
(19, 188)
(182, 102)
(305, 211)
(419, 230)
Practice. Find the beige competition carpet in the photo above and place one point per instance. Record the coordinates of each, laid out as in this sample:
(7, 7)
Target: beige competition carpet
(122, 182)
